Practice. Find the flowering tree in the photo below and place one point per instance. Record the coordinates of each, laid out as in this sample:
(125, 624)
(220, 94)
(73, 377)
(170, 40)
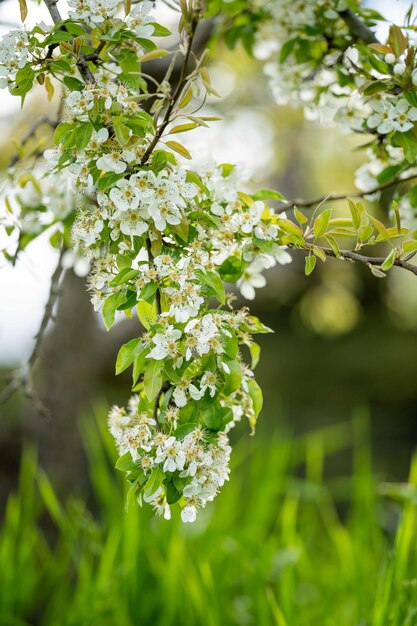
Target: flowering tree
(161, 234)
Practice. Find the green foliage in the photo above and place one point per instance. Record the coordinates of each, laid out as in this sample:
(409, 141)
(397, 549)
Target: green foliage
(272, 549)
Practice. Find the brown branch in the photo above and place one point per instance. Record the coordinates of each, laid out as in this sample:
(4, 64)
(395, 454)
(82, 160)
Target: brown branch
(23, 377)
(306, 204)
(361, 258)
(30, 133)
(357, 27)
(82, 62)
(180, 85)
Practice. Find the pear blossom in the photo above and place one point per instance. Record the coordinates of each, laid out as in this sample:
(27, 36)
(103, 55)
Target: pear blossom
(124, 195)
(112, 162)
(165, 344)
(80, 101)
(139, 20)
(252, 278)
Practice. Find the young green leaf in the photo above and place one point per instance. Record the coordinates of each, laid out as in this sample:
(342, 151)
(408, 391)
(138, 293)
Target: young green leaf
(310, 264)
(127, 354)
(152, 381)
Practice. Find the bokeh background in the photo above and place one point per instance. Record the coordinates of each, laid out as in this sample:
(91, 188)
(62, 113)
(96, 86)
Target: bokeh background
(339, 373)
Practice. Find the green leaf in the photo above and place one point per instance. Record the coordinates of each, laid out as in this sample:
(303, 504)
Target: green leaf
(73, 84)
(212, 415)
(23, 81)
(139, 366)
(233, 377)
(122, 133)
(182, 229)
(124, 276)
(173, 494)
(149, 290)
(255, 393)
(185, 429)
(268, 194)
(179, 148)
(300, 217)
(321, 223)
(159, 30)
(215, 283)
(110, 306)
(83, 135)
(319, 253)
(127, 354)
(397, 40)
(153, 483)
(231, 269)
(152, 381)
(408, 142)
(410, 246)
(125, 463)
(289, 227)
(356, 215)
(389, 261)
(365, 232)
(255, 352)
(310, 264)
(377, 272)
(230, 344)
(61, 130)
(108, 180)
(23, 9)
(147, 313)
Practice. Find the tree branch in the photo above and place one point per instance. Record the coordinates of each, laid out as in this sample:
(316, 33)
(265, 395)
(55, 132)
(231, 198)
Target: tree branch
(23, 377)
(361, 258)
(30, 133)
(306, 204)
(82, 62)
(175, 96)
(357, 27)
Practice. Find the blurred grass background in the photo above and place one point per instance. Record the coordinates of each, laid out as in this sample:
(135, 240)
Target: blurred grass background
(281, 545)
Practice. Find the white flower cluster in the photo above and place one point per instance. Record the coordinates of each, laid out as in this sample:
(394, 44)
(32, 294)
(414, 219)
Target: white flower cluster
(367, 176)
(390, 114)
(95, 12)
(162, 240)
(40, 201)
(14, 54)
(145, 203)
(309, 82)
(197, 465)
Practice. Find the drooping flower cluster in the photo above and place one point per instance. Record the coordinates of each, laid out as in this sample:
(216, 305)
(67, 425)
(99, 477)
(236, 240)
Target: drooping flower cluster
(162, 239)
(298, 42)
(98, 12)
(195, 461)
(14, 54)
(317, 59)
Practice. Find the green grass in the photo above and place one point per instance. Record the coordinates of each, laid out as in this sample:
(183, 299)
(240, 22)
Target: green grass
(279, 546)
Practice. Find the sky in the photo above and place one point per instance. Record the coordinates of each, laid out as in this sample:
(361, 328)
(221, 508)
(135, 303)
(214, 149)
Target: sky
(24, 288)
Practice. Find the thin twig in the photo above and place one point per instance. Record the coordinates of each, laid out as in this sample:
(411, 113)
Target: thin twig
(305, 204)
(357, 27)
(30, 133)
(23, 377)
(82, 62)
(361, 258)
(180, 85)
